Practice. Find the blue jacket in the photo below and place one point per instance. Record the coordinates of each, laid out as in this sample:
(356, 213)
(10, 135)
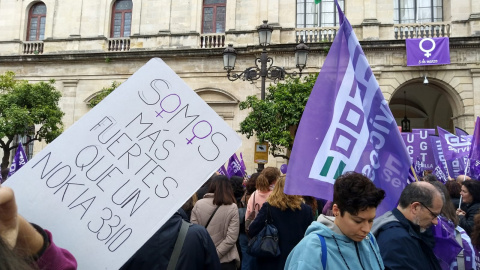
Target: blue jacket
(357, 255)
(402, 245)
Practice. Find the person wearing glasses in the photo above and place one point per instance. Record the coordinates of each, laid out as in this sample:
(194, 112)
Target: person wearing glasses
(403, 234)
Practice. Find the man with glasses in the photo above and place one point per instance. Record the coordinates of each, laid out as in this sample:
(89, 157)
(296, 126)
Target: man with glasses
(403, 234)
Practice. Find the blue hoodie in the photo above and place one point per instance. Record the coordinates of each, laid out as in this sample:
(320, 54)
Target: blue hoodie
(357, 255)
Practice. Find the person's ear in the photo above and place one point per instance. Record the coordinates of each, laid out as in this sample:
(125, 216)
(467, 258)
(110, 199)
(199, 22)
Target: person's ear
(414, 207)
(335, 210)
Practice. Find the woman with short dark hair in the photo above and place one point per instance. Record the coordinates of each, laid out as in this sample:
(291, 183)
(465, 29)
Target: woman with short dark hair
(218, 213)
(343, 241)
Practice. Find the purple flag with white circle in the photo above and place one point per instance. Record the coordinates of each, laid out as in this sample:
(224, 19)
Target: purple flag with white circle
(428, 51)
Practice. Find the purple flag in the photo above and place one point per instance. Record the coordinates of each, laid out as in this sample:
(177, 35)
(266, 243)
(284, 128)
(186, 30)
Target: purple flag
(441, 163)
(474, 154)
(242, 163)
(446, 246)
(450, 167)
(347, 126)
(234, 168)
(460, 132)
(454, 147)
(222, 170)
(428, 51)
(18, 161)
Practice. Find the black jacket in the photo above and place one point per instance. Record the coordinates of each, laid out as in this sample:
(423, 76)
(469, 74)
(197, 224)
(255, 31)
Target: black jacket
(466, 221)
(198, 251)
(401, 244)
(291, 226)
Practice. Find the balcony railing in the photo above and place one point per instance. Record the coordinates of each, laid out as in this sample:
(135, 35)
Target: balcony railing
(424, 30)
(32, 47)
(212, 41)
(118, 44)
(316, 34)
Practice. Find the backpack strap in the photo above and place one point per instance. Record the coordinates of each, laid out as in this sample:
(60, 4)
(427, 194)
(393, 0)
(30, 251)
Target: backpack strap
(324, 251)
(172, 264)
(370, 236)
(210, 219)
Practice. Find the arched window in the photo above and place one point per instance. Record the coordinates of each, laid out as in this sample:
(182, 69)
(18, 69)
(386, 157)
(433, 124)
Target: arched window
(417, 11)
(323, 14)
(121, 18)
(36, 22)
(214, 16)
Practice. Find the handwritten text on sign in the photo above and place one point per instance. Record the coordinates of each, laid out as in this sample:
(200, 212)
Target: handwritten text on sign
(112, 179)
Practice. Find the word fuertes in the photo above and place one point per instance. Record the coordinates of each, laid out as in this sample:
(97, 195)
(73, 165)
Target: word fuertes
(128, 162)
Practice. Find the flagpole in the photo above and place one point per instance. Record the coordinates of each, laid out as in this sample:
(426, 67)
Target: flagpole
(414, 174)
(466, 168)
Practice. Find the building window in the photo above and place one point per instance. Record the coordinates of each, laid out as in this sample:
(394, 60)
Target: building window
(36, 22)
(214, 16)
(324, 14)
(122, 18)
(417, 11)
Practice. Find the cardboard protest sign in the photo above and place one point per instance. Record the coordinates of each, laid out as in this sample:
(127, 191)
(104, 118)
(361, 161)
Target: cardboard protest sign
(117, 175)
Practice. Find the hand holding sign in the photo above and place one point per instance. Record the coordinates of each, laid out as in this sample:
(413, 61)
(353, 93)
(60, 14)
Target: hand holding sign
(8, 216)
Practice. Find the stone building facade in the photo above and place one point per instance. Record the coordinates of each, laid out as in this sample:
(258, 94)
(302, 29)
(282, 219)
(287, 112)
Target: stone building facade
(85, 45)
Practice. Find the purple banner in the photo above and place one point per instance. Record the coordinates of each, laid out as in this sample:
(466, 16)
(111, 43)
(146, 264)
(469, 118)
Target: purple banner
(347, 126)
(425, 147)
(428, 51)
(18, 161)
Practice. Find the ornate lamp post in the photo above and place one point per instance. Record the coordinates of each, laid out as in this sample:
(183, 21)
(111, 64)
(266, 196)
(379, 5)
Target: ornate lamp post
(264, 67)
(405, 121)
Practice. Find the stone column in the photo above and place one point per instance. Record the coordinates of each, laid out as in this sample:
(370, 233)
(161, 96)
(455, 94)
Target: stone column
(370, 24)
(476, 91)
(474, 18)
(67, 101)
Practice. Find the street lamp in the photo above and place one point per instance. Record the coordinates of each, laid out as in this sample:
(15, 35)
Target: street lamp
(264, 67)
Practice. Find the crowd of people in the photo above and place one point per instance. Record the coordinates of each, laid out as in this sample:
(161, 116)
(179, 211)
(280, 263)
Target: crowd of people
(434, 226)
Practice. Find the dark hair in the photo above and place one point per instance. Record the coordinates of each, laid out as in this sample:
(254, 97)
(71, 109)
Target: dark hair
(431, 178)
(10, 260)
(473, 187)
(237, 186)
(267, 177)
(417, 192)
(251, 185)
(475, 237)
(354, 192)
(448, 209)
(453, 188)
(222, 190)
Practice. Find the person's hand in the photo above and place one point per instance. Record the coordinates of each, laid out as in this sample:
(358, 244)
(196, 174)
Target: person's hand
(9, 221)
(18, 233)
(460, 212)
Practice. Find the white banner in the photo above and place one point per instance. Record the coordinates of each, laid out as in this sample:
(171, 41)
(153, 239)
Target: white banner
(117, 175)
